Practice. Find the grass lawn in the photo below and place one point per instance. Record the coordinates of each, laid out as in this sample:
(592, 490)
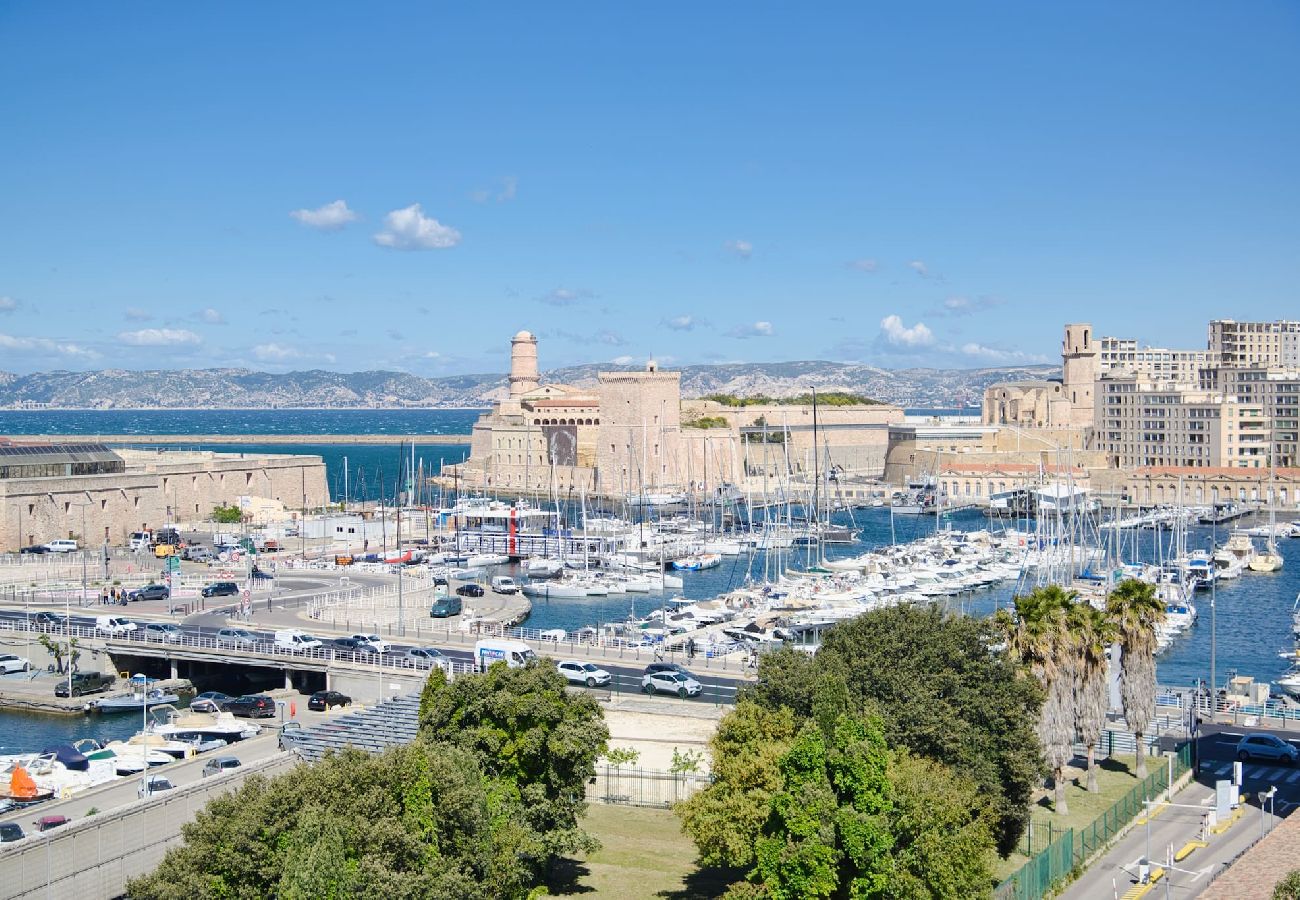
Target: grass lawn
(643, 854)
(1115, 778)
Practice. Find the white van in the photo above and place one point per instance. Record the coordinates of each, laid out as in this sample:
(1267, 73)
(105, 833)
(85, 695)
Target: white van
(514, 654)
(504, 584)
(61, 546)
(140, 540)
(293, 639)
(114, 625)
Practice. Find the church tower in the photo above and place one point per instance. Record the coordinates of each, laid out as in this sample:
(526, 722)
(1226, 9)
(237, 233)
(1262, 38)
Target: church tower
(1079, 359)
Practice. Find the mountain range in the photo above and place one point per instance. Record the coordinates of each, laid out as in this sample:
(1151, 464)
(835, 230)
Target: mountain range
(315, 388)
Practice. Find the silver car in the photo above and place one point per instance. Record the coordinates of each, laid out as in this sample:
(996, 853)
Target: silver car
(586, 673)
(425, 658)
(237, 638)
(670, 683)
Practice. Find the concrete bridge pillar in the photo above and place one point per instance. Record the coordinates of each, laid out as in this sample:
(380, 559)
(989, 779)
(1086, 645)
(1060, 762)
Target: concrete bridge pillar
(175, 669)
(288, 680)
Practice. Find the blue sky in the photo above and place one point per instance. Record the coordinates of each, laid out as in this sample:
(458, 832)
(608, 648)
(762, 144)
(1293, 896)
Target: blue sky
(403, 186)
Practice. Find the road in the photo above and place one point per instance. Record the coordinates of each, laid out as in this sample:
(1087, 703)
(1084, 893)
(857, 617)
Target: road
(1182, 821)
(206, 624)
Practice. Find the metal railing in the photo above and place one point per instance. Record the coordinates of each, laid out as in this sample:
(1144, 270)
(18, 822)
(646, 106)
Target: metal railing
(628, 786)
(250, 652)
(1067, 848)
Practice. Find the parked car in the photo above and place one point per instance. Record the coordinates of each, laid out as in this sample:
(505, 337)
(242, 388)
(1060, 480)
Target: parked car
(46, 823)
(444, 607)
(62, 546)
(210, 702)
(322, 700)
(154, 784)
(504, 584)
(162, 631)
(1266, 746)
(10, 663)
(670, 683)
(425, 658)
(197, 554)
(374, 640)
(10, 831)
(220, 764)
(252, 706)
(470, 590)
(35, 549)
(586, 673)
(221, 589)
(151, 592)
(84, 683)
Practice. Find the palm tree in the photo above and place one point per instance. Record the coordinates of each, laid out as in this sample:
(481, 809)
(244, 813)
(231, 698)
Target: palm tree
(1039, 635)
(1093, 632)
(1135, 610)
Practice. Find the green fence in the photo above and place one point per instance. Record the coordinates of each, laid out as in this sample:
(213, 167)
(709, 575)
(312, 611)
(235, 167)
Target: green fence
(1064, 849)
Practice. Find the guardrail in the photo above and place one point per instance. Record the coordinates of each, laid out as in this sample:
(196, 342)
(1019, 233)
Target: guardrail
(249, 651)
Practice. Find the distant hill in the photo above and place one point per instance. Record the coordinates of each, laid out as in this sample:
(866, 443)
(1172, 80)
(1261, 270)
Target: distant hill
(236, 388)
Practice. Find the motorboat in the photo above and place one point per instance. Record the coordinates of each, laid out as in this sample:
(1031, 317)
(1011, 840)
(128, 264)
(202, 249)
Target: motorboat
(698, 561)
(135, 702)
(540, 567)
(174, 724)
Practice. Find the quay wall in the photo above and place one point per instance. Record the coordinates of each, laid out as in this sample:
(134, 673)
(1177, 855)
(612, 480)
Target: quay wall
(96, 856)
(158, 487)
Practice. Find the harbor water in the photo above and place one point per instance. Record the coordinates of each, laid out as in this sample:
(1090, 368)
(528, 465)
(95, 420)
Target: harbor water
(1252, 613)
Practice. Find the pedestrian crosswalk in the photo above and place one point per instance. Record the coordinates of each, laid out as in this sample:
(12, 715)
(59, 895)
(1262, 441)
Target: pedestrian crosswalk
(1216, 769)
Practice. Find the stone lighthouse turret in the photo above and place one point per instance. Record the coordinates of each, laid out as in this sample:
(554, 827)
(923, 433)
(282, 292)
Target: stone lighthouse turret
(523, 364)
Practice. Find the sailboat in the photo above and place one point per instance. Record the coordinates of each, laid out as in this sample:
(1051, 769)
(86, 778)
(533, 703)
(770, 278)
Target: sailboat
(1270, 560)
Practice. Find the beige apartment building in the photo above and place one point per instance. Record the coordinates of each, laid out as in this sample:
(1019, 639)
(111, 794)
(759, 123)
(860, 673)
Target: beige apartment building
(1236, 344)
(1123, 355)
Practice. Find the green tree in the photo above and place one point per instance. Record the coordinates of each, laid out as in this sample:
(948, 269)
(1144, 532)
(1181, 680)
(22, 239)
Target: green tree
(1289, 887)
(539, 741)
(943, 690)
(1136, 611)
(1039, 634)
(415, 821)
(61, 650)
(745, 752)
(227, 515)
(1094, 633)
(849, 818)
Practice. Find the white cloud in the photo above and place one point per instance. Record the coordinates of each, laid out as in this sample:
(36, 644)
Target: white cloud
(8, 304)
(682, 323)
(411, 229)
(995, 354)
(896, 333)
(743, 249)
(862, 265)
(44, 345)
(136, 314)
(275, 352)
(623, 360)
(212, 316)
(509, 185)
(565, 297)
(758, 329)
(919, 268)
(434, 354)
(159, 337)
(965, 306)
(330, 217)
(612, 338)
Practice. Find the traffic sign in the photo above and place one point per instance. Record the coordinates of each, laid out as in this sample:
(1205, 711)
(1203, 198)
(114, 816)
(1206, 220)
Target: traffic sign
(173, 564)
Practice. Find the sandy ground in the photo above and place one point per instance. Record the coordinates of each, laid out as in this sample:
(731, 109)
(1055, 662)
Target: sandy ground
(682, 725)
